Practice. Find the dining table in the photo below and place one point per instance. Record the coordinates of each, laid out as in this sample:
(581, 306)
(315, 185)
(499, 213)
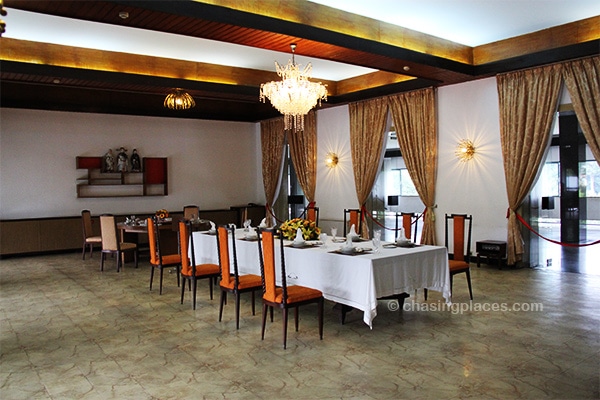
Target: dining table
(357, 279)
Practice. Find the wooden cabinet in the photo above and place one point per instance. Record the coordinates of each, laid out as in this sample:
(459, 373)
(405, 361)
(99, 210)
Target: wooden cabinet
(152, 181)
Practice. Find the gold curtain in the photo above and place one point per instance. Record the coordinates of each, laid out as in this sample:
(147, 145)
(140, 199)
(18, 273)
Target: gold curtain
(272, 138)
(414, 116)
(303, 150)
(582, 78)
(528, 100)
(367, 126)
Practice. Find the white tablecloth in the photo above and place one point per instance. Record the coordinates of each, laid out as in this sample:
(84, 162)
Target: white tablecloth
(357, 281)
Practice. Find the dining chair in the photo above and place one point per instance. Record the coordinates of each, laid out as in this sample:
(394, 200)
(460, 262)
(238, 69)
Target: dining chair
(283, 296)
(312, 214)
(191, 212)
(459, 262)
(353, 217)
(89, 239)
(233, 282)
(409, 223)
(157, 259)
(112, 244)
(190, 271)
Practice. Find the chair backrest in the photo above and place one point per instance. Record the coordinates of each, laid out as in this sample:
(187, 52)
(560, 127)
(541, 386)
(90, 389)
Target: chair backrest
(154, 241)
(409, 223)
(352, 217)
(225, 260)
(312, 214)
(266, 254)
(184, 245)
(108, 231)
(461, 227)
(86, 223)
(190, 211)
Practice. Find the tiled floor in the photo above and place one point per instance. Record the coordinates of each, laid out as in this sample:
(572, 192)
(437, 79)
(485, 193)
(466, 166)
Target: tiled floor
(69, 331)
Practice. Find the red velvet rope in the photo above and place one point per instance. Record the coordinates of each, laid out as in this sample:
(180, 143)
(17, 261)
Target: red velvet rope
(521, 220)
(365, 211)
(270, 211)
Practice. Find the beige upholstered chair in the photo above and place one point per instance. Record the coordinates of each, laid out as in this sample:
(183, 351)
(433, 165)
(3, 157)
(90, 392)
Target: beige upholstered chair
(89, 240)
(190, 212)
(111, 243)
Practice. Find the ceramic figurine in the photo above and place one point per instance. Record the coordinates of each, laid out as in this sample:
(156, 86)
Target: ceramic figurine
(122, 159)
(109, 162)
(136, 165)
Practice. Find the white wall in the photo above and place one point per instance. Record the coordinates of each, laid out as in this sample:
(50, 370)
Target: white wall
(217, 164)
(211, 163)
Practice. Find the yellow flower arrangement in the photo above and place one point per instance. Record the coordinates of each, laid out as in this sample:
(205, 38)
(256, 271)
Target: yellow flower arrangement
(162, 214)
(310, 230)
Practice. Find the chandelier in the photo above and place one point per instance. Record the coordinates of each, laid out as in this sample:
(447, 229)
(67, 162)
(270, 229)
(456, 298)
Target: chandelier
(179, 99)
(294, 96)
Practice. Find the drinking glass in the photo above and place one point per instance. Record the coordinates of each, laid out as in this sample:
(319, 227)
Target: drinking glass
(333, 232)
(247, 224)
(376, 240)
(323, 238)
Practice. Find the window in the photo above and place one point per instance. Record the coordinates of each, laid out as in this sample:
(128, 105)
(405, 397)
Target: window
(549, 180)
(589, 179)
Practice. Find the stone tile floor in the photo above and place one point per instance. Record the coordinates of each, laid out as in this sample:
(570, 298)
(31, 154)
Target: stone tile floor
(69, 331)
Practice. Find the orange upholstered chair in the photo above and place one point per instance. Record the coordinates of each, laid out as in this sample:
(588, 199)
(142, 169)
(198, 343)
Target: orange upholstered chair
(409, 223)
(190, 271)
(111, 244)
(89, 239)
(312, 214)
(157, 259)
(461, 237)
(352, 217)
(284, 297)
(232, 281)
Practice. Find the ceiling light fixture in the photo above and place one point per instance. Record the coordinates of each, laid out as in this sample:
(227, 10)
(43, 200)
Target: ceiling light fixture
(179, 99)
(294, 96)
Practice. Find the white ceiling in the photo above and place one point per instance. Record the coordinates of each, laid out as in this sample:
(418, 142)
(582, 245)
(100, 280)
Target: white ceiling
(470, 22)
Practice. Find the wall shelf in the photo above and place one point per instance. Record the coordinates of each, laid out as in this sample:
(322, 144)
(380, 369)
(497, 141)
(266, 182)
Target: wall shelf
(152, 181)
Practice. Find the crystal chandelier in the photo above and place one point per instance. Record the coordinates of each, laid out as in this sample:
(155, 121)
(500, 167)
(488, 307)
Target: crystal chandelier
(294, 96)
(179, 99)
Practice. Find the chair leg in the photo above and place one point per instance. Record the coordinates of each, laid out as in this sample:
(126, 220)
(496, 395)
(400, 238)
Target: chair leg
(285, 323)
(135, 256)
(253, 307)
(469, 283)
(237, 310)
(118, 261)
(83, 252)
(425, 292)
(194, 284)
(320, 316)
(182, 289)
(223, 299)
(151, 275)
(161, 279)
(210, 285)
(264, 321)
(91, 250)
(296, 317)
(102, 257)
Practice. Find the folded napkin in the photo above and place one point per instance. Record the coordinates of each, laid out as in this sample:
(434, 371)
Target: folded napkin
(212, 226)
(401, 237)
(299, 236)
(348, 245)
(251, 233)
(352, 231)
(263, 223)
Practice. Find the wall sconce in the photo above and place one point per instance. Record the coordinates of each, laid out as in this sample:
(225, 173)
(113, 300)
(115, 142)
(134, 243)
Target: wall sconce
(465, 150)
(331, 160)
(179, 99)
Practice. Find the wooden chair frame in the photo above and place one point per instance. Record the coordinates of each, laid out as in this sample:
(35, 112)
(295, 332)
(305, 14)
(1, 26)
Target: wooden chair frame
(112, 244)
(241, 283)
(89, 239)
(353, 216)
(157, 260)
(410, 223)
(266, 242)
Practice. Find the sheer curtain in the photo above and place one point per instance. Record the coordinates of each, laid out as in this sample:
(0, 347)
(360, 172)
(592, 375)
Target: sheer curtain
(582, 78)
(367, 137)
(272, 139)
(528, 100)
(414, 116)
(303, 150)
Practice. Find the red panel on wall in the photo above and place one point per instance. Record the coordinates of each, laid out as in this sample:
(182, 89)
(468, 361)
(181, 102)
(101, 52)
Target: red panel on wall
(89, 162)
(154, 170)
